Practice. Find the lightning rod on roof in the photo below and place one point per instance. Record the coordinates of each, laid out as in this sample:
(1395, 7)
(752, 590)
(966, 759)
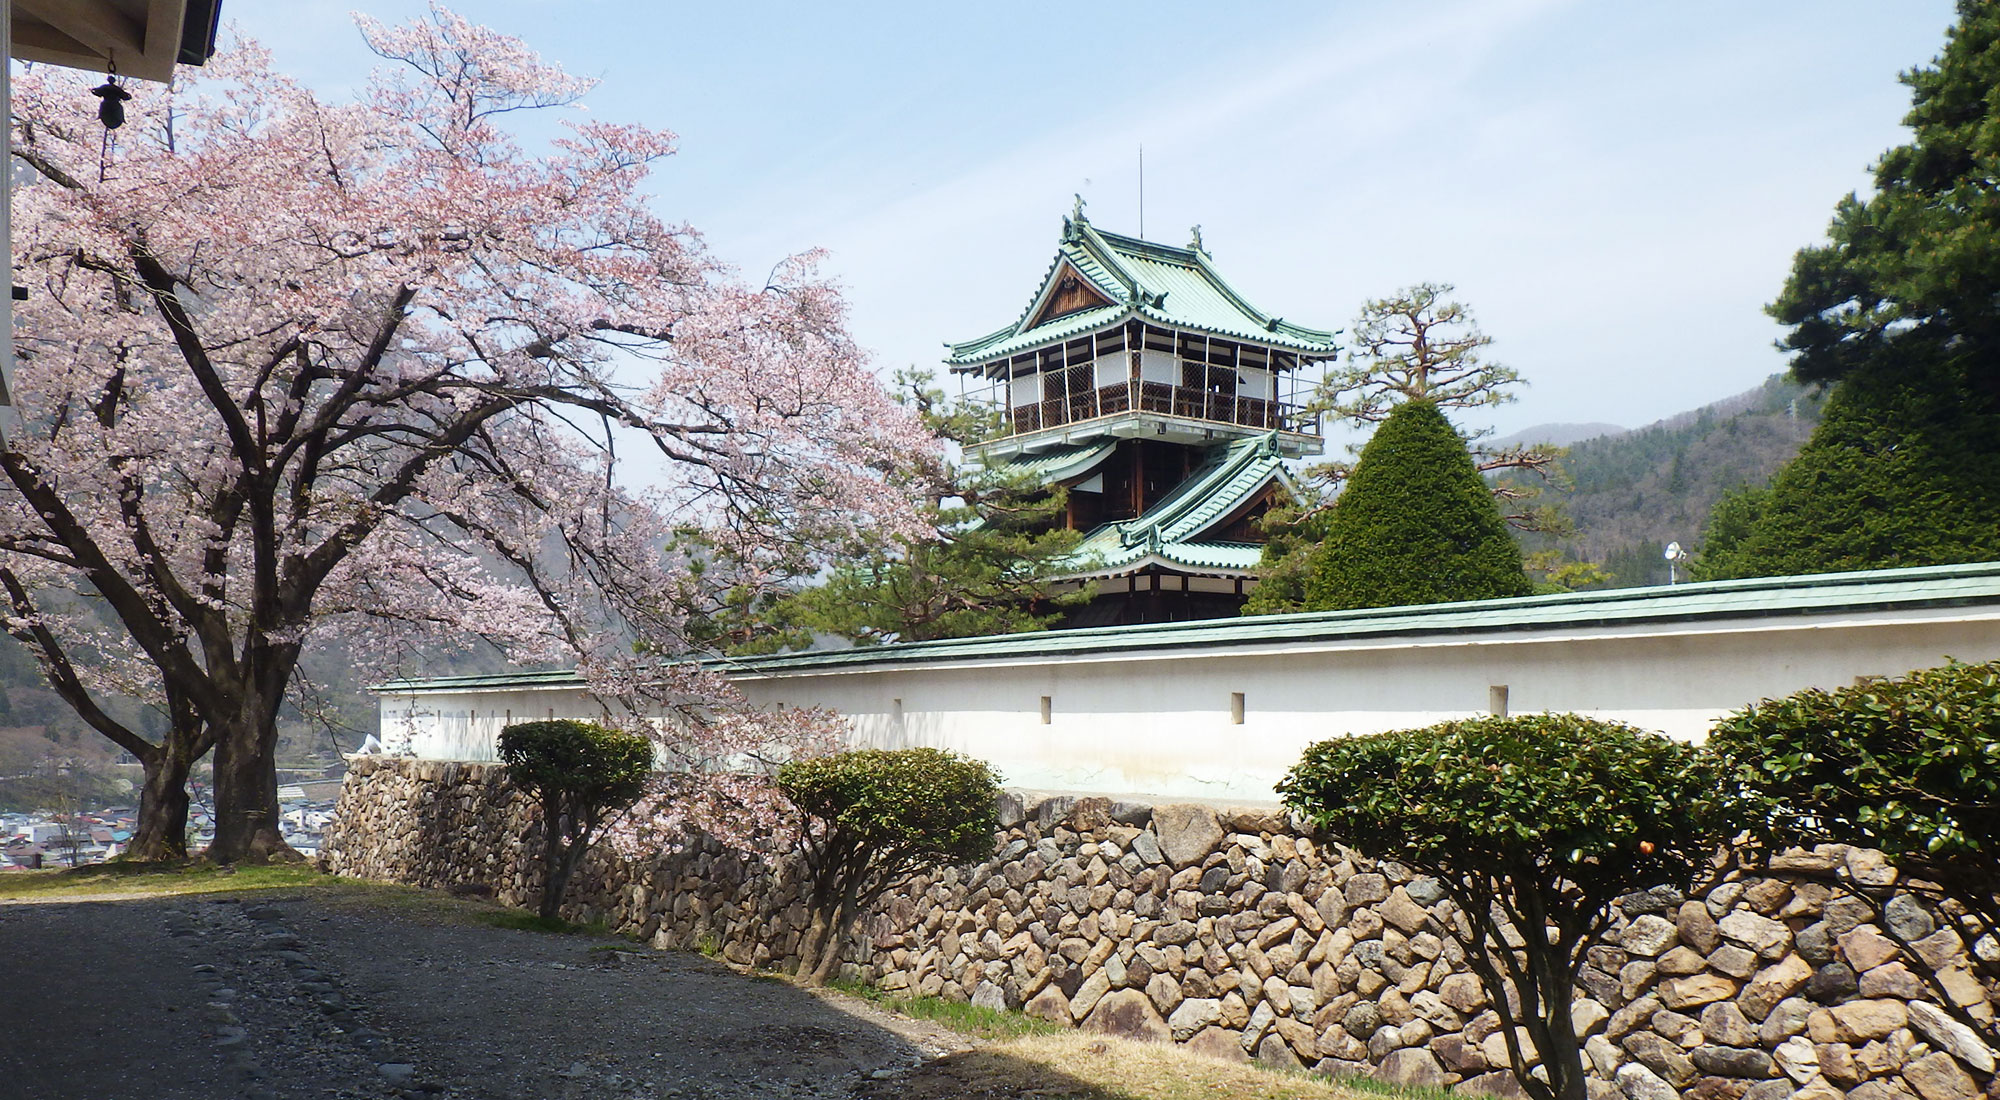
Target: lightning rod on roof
(1142, 191)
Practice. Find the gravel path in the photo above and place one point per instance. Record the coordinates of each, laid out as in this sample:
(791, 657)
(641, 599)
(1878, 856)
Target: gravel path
(312, 995)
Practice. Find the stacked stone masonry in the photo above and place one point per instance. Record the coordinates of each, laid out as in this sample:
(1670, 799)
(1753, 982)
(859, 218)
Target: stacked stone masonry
(1239, 935)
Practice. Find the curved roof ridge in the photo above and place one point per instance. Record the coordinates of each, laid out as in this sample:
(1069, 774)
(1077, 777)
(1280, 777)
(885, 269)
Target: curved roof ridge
(1184, 290)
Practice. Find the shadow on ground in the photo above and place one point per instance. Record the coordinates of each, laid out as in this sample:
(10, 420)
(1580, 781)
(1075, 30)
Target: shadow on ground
(350, 993)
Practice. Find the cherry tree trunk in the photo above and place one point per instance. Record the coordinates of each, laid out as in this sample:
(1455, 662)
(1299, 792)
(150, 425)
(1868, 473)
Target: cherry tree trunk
(813, 943)
(246, 793)
(556, 866)
(839, 922)
(161, 833)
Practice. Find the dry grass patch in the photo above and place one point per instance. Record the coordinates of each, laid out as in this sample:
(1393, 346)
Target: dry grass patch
(1076, 1066)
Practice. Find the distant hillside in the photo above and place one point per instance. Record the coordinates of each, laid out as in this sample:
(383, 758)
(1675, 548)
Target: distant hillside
(1560, 435)
(1636, 491)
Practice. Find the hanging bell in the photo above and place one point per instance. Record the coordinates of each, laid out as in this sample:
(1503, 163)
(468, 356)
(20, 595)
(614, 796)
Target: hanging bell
(111, 112)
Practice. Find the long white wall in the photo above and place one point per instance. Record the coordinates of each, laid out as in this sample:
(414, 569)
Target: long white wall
(1159, 722)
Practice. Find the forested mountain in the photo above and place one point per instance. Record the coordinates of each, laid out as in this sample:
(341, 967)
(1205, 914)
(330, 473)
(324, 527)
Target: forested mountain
(1632, 493)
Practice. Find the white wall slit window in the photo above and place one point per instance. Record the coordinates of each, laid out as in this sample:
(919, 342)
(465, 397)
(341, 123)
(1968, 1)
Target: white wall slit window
(1235, 708)
(1048, 709)
(1496, 700)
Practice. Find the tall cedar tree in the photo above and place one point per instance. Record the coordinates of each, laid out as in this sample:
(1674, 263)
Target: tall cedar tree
(1416, 524)
(1911, 275)
(1901, 310)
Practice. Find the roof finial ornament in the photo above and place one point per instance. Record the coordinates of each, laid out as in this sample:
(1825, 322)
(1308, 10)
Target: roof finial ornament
(1076, 213)
(1196, 242)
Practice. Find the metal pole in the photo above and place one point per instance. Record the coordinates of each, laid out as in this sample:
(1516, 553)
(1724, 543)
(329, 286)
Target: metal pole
(9, 419)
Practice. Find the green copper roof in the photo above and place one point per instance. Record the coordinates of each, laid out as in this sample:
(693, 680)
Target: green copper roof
(1170, 531)
(1175, 287)
(1062, 463)
(1975, 585)
(1180, 555)
(1229, 480)
(1877, 590)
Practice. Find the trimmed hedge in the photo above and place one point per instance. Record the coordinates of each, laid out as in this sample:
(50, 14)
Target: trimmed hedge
(578, 772)
(1529, 822)
(870, 817)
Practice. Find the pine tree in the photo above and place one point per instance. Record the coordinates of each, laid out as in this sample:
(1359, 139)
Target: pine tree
(1415, 524)
(1416, 345)
(1912, 273)
(1901, 312)
(989, 563)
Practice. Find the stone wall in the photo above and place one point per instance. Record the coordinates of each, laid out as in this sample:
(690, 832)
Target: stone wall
(1239, 935)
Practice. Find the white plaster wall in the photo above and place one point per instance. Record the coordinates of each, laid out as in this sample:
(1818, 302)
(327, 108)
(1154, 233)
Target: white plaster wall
(466, 725)
(1160, 366)
(1159, 723)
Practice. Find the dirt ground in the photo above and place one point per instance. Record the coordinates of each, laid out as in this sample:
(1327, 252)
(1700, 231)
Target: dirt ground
(308, 995)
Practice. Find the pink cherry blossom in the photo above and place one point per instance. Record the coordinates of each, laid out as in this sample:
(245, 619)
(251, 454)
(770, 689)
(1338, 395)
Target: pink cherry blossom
(292, 370)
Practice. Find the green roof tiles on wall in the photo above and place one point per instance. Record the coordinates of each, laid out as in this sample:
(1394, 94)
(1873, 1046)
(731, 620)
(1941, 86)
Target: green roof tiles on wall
(1826, 593)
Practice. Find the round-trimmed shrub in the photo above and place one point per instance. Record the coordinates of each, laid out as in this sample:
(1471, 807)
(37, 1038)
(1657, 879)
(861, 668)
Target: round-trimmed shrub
(1910, 766)
(1536, 821)
(872, 816)
(578, 772)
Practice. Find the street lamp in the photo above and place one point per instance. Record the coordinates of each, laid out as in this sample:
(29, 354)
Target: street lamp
(1675, 556)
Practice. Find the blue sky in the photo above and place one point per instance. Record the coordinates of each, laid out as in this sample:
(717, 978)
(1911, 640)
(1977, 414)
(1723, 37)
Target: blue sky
(1615, 188)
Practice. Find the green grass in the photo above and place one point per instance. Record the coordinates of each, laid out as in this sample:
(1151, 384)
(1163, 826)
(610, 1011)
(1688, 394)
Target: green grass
(126, 879)
(960, 1016)
(1383, 1088)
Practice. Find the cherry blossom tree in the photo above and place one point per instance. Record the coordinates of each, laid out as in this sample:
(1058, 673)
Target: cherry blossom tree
(291, 368)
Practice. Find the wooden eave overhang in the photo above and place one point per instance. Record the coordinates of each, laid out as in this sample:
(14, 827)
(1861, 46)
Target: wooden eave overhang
(140, 38)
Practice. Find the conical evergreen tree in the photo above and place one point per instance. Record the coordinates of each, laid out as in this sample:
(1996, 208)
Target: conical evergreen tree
(1903, 470)
(1415, 524)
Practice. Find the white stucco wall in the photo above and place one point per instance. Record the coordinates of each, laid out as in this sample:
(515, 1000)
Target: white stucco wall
(466, 725)
(1159, 723)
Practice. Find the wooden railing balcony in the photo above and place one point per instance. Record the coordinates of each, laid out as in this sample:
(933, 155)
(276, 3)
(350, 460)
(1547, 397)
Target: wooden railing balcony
(1160, 397)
